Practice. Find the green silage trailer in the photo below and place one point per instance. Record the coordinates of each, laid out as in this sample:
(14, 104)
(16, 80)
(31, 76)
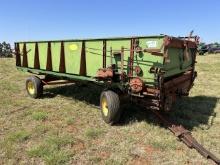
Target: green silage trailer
(150, 70)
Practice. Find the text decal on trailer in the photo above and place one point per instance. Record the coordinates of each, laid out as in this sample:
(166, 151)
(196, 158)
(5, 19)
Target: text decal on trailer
(151, 44)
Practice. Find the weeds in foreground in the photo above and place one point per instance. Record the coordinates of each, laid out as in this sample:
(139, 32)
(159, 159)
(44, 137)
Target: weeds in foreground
(53, 150)
(39, 116)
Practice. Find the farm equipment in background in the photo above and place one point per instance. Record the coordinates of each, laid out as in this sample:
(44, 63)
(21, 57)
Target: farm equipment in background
(213, 48)
(202, 49)
(208, 48)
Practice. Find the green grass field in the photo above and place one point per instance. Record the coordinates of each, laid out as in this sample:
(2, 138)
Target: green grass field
(64, 127)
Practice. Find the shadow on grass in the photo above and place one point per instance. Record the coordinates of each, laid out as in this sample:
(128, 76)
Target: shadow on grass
(87, 92)
(190, 112)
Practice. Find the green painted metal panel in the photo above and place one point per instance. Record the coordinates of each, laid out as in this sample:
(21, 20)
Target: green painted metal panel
(94, 57)
(55, 53)
(43, 55)
(151, 43)
(72, 56)
(116, 47)
(174, 64)
(188, 62)
(177, 64)
(146, 60)
(30, 47)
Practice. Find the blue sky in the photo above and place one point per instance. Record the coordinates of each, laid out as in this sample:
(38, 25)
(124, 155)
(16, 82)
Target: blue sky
(69, 19)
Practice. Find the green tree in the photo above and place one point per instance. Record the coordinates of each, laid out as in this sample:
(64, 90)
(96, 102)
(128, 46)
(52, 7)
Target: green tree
(202, 44)
(216, 44)
(5, 50)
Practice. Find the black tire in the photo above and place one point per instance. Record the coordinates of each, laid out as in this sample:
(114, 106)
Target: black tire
(34, 87)
(112, 104)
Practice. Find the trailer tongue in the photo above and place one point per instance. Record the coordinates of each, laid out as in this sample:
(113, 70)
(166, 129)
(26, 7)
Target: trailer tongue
(186, 137)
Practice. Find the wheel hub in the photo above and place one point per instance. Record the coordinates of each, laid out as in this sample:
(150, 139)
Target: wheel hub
(30, 87)
(104, 107)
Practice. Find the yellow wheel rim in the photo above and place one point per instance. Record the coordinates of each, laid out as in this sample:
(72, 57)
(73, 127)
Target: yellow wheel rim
(30, 87)
(104, 106)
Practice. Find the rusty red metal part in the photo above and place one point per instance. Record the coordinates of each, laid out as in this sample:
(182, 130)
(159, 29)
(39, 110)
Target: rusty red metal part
(137, 70)
(62, 67)
(182, 82)
(131, 58)
(104, 73)
(82, 71)
(55, 82)
(18, 55)
(49, 58)
(111, 54)
(25, 58)
(136, 85)
(36, 57)
(122, 60)
(104, 53)
(168, 91)
(151, 91)
(138, 49)
(177, 43)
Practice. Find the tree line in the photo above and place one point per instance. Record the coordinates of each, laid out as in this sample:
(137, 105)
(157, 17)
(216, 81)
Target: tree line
(5, 50)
